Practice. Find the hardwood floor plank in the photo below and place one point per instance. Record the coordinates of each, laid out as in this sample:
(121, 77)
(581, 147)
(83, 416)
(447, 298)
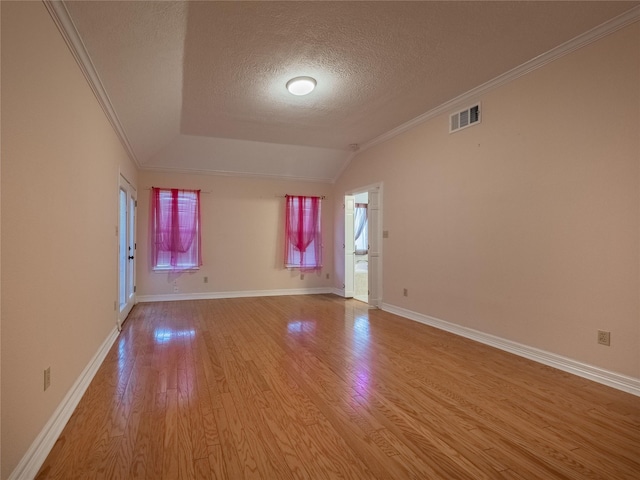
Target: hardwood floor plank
(205, 405)
(155, 464)
(186, 454)
(107, 468)
(230, 451)
(285, 440)
(148, 437)
(310, 453)
(217, 465)
(171, 455)
(201, 470)
(141, 460)
(270, 459)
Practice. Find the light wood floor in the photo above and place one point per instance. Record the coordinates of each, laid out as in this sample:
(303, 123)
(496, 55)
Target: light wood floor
(318, 387)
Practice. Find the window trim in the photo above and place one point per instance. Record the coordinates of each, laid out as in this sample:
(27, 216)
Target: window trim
(193, 197)
(315, 242)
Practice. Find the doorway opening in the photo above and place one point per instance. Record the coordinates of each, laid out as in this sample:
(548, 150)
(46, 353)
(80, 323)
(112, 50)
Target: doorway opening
(362, 245)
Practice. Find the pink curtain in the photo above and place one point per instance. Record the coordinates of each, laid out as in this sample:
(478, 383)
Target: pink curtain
(303, 237)
(176, 228)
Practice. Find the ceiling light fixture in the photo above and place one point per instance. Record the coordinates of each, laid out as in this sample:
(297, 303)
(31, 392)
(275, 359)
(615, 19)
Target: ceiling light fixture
(301, 85)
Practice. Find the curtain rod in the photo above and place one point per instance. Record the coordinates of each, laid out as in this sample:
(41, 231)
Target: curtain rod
(277, 196)
(287, 195)
(201, 191)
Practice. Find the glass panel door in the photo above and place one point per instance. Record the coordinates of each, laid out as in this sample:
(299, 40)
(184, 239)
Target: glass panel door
(122, 249)
(126, 249)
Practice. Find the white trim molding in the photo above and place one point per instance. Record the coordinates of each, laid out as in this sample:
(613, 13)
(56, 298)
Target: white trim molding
(63, 21)
(28, 467)
(596, 374)
(238, 294)
(607, 28)
(338, 291)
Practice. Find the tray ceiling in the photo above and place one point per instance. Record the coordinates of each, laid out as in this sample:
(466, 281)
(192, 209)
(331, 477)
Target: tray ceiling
(200, 86)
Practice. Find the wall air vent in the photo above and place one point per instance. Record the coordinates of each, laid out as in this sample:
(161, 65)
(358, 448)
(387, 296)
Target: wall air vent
(464, 118)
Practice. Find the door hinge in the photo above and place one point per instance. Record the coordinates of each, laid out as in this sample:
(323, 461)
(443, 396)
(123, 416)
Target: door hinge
(135, 203)
(134, 289)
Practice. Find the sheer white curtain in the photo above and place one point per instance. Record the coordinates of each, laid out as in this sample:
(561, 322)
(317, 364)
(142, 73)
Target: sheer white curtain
(360, 229)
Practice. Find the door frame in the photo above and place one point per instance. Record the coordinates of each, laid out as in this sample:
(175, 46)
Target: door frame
(375, 232)
(123, 309)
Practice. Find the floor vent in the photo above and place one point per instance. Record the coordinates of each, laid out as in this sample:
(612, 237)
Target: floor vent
(464, 118)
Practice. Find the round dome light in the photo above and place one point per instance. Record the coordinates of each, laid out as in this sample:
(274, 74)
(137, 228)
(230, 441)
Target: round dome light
(301, 85)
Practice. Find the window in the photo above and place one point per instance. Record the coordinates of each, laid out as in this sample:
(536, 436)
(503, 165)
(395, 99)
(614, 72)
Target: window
(303, 235)
(175, 229)
(361, 233)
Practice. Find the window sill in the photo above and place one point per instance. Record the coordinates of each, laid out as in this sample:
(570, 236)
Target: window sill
(174, 270)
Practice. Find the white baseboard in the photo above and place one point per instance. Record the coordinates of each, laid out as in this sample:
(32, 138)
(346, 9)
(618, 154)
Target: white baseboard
(239, 294)
(605, 377)
(33, 459)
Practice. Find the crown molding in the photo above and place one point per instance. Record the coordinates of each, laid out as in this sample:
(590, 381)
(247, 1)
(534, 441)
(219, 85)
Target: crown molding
(63, 21)
(593, 35)
(228, 173)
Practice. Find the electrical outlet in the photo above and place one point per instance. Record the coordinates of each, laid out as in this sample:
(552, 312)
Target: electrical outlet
(206, 279)
(327, 276)
(604, 338)
(385, 234)
(405, 292)
(302, 276)
(47, 378)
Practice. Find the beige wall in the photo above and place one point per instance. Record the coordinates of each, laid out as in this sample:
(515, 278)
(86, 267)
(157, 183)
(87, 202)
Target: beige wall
(242, 236)
(527, 225)
(60, 164)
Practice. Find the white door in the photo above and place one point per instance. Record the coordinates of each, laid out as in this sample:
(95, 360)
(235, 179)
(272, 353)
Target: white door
(375, 274)
(349, 246)
(126, 249)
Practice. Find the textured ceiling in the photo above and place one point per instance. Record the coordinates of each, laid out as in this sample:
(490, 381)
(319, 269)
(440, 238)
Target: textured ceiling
(200, 86)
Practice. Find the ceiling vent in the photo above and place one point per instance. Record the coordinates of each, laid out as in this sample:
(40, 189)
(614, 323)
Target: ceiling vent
(464, 118)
